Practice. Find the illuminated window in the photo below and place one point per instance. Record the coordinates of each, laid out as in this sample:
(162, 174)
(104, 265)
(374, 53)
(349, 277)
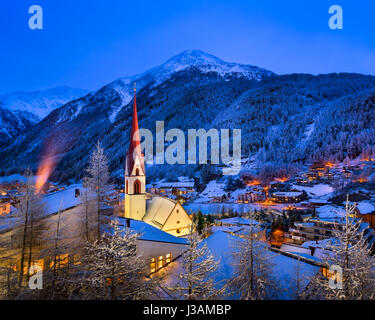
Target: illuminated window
(168, 258)
(61, 261)
(160, 262)
(153, 265)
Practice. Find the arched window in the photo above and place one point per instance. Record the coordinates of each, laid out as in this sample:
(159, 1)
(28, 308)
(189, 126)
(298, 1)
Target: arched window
(137, 172)
(127, 186)
(137, 187)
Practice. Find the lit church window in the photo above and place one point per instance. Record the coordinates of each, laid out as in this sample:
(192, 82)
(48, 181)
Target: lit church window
(168, 258)
(160, 262)
(153, 265)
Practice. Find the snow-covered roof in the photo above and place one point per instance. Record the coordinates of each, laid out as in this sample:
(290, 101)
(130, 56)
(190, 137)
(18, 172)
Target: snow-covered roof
(365, 207)
(238, 221)
(61, 200)
(179, 184)
(330, 212)
(286, 194)
(149, 233)
(158, 210)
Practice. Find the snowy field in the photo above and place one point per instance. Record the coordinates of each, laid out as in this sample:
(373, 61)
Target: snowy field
(221, 245)
(317, 190)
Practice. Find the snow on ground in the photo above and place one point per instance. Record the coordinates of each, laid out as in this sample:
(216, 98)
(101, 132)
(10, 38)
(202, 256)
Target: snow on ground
(221, 245)
(317, 190)
(213, 189)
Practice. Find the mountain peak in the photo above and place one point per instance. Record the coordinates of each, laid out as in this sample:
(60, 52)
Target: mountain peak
(194, 57)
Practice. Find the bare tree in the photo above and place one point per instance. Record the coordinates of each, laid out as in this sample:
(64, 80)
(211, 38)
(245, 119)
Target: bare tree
(349, 251)
(29, 211)
(252, 279)
(196, 280)
(299, 282)
(97, 180)
(86, 209)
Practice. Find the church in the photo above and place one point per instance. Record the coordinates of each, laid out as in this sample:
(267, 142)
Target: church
(163, 213)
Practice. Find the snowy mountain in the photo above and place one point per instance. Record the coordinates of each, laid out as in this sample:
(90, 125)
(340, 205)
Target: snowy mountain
(204, 62)
(198, 90)
(40, 103)
(12, 123)
(199, 60)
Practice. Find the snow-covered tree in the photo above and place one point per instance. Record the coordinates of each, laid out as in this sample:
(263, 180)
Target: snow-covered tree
(350, 251)
(113, 270)
(97, 181)
(252, 279)
(196, 281)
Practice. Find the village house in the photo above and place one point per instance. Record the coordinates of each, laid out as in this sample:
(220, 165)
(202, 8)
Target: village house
(250, 196)
(288, 197)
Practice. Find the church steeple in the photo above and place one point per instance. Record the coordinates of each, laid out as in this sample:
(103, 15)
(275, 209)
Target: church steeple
(135, 142)
(135, 174)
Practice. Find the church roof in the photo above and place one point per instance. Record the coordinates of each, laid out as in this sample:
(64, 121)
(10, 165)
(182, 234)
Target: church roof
(158, 210)
(134, 143)
(149, 233)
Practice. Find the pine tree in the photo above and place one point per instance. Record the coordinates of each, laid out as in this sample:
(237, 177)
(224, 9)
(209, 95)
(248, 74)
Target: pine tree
(200, 222)
(97, 181)
(350, 251)
(252, 279)
(196, 281)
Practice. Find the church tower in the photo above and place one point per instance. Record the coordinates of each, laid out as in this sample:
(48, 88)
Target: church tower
(135, 174)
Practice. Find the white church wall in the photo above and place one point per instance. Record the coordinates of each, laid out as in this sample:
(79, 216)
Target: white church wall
(178, 222)
(155, 249)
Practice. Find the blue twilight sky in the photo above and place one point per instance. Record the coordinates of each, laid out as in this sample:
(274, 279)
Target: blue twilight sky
(86, 44)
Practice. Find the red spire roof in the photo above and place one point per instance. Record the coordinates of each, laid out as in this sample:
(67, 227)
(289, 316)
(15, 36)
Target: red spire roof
(135, 142)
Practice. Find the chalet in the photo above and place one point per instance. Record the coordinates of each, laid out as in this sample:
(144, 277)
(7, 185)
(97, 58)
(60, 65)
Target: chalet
(288, 197)
(252, 196)
(177, 187)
